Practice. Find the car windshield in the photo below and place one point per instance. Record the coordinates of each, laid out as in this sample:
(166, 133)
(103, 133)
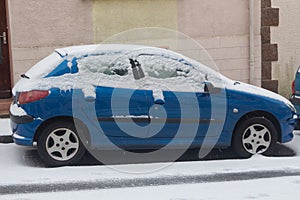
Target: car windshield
(45, 66)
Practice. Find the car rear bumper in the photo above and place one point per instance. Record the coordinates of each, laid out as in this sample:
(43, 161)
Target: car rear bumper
(24, 129)
(21, 119)
(21, 140)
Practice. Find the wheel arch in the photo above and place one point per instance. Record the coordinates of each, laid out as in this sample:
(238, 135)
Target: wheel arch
(260, 113)
(56, 119)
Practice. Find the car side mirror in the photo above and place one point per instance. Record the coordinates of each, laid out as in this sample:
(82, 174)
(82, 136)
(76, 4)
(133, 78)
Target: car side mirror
(210, 88)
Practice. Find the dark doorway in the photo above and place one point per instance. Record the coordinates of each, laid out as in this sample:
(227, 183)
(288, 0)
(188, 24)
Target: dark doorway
(5, 81)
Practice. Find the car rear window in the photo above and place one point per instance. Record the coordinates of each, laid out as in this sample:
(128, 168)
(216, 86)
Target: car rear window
(45, 66)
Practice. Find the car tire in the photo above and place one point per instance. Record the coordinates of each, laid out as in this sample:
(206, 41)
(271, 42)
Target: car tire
(256, 135)
(59, 145)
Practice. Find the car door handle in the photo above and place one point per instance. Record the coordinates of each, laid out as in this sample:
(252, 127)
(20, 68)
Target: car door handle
(90, 99)
(159, 101)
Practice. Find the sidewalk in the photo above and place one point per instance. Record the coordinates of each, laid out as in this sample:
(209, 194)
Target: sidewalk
(5, 127)
(5, 131)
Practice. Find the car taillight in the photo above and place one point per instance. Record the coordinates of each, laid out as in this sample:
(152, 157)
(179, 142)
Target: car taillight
(293, 87)
(31, 96)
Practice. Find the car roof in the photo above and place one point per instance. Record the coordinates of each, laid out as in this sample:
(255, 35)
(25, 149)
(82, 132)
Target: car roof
(101, 48)
(95, 48)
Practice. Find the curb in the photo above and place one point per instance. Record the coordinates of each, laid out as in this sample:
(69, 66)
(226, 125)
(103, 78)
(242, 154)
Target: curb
(142, 182)
(6, 139)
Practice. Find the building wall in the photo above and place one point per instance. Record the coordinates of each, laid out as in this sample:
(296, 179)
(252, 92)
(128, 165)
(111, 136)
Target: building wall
(287, 37)
(38, 27)
(112, 17)
(221, 27)
(269, 51)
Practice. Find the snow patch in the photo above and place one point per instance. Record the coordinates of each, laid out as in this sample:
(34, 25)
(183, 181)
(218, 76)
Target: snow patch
(109, 66)
(69, 64)
(19, 137)
(158, 95)
(16, 110)
(5, 127)
(130, 116)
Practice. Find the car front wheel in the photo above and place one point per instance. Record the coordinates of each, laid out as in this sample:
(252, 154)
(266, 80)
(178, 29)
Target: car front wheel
(256, 135)
(60, 145)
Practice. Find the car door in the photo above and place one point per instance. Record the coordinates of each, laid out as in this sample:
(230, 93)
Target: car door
(180, 108)
(122, 112)
(183, 114)
(118, 110)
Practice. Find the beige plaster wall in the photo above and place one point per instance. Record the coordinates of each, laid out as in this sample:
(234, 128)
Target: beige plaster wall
(222, 27)
(287, 35)
(115, 16)
(38, 27)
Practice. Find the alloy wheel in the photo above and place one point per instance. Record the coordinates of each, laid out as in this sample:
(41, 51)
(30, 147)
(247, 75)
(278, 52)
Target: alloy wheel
(62, 144)
(256, 139)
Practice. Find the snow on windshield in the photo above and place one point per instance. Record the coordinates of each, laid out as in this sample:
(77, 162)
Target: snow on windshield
(162, 69)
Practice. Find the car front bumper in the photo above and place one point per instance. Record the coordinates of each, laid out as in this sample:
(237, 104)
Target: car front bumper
(295, 99)
(287, 129)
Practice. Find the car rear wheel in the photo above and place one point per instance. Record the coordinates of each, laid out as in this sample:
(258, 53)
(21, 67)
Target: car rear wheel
(256, 135)
(60, 145)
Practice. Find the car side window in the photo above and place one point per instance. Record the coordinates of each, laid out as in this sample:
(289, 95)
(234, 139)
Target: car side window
(162, 68)
(170, 72)
(106, 64)
(141, 70)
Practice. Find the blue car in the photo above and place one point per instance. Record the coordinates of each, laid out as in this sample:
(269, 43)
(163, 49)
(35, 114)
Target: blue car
(295, 98)
(128, 98)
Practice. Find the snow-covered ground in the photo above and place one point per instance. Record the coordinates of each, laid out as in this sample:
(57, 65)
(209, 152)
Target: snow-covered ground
(268, 189)
(4, 127)
(15, 170)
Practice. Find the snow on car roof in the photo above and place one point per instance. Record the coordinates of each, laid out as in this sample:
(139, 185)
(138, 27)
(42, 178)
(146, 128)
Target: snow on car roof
(94, 58)
(96, 48)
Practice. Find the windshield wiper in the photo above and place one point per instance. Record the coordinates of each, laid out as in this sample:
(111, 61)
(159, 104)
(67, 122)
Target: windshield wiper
(25, 76)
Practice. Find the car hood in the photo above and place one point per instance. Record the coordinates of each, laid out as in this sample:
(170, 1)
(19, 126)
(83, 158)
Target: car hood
(251, 89)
